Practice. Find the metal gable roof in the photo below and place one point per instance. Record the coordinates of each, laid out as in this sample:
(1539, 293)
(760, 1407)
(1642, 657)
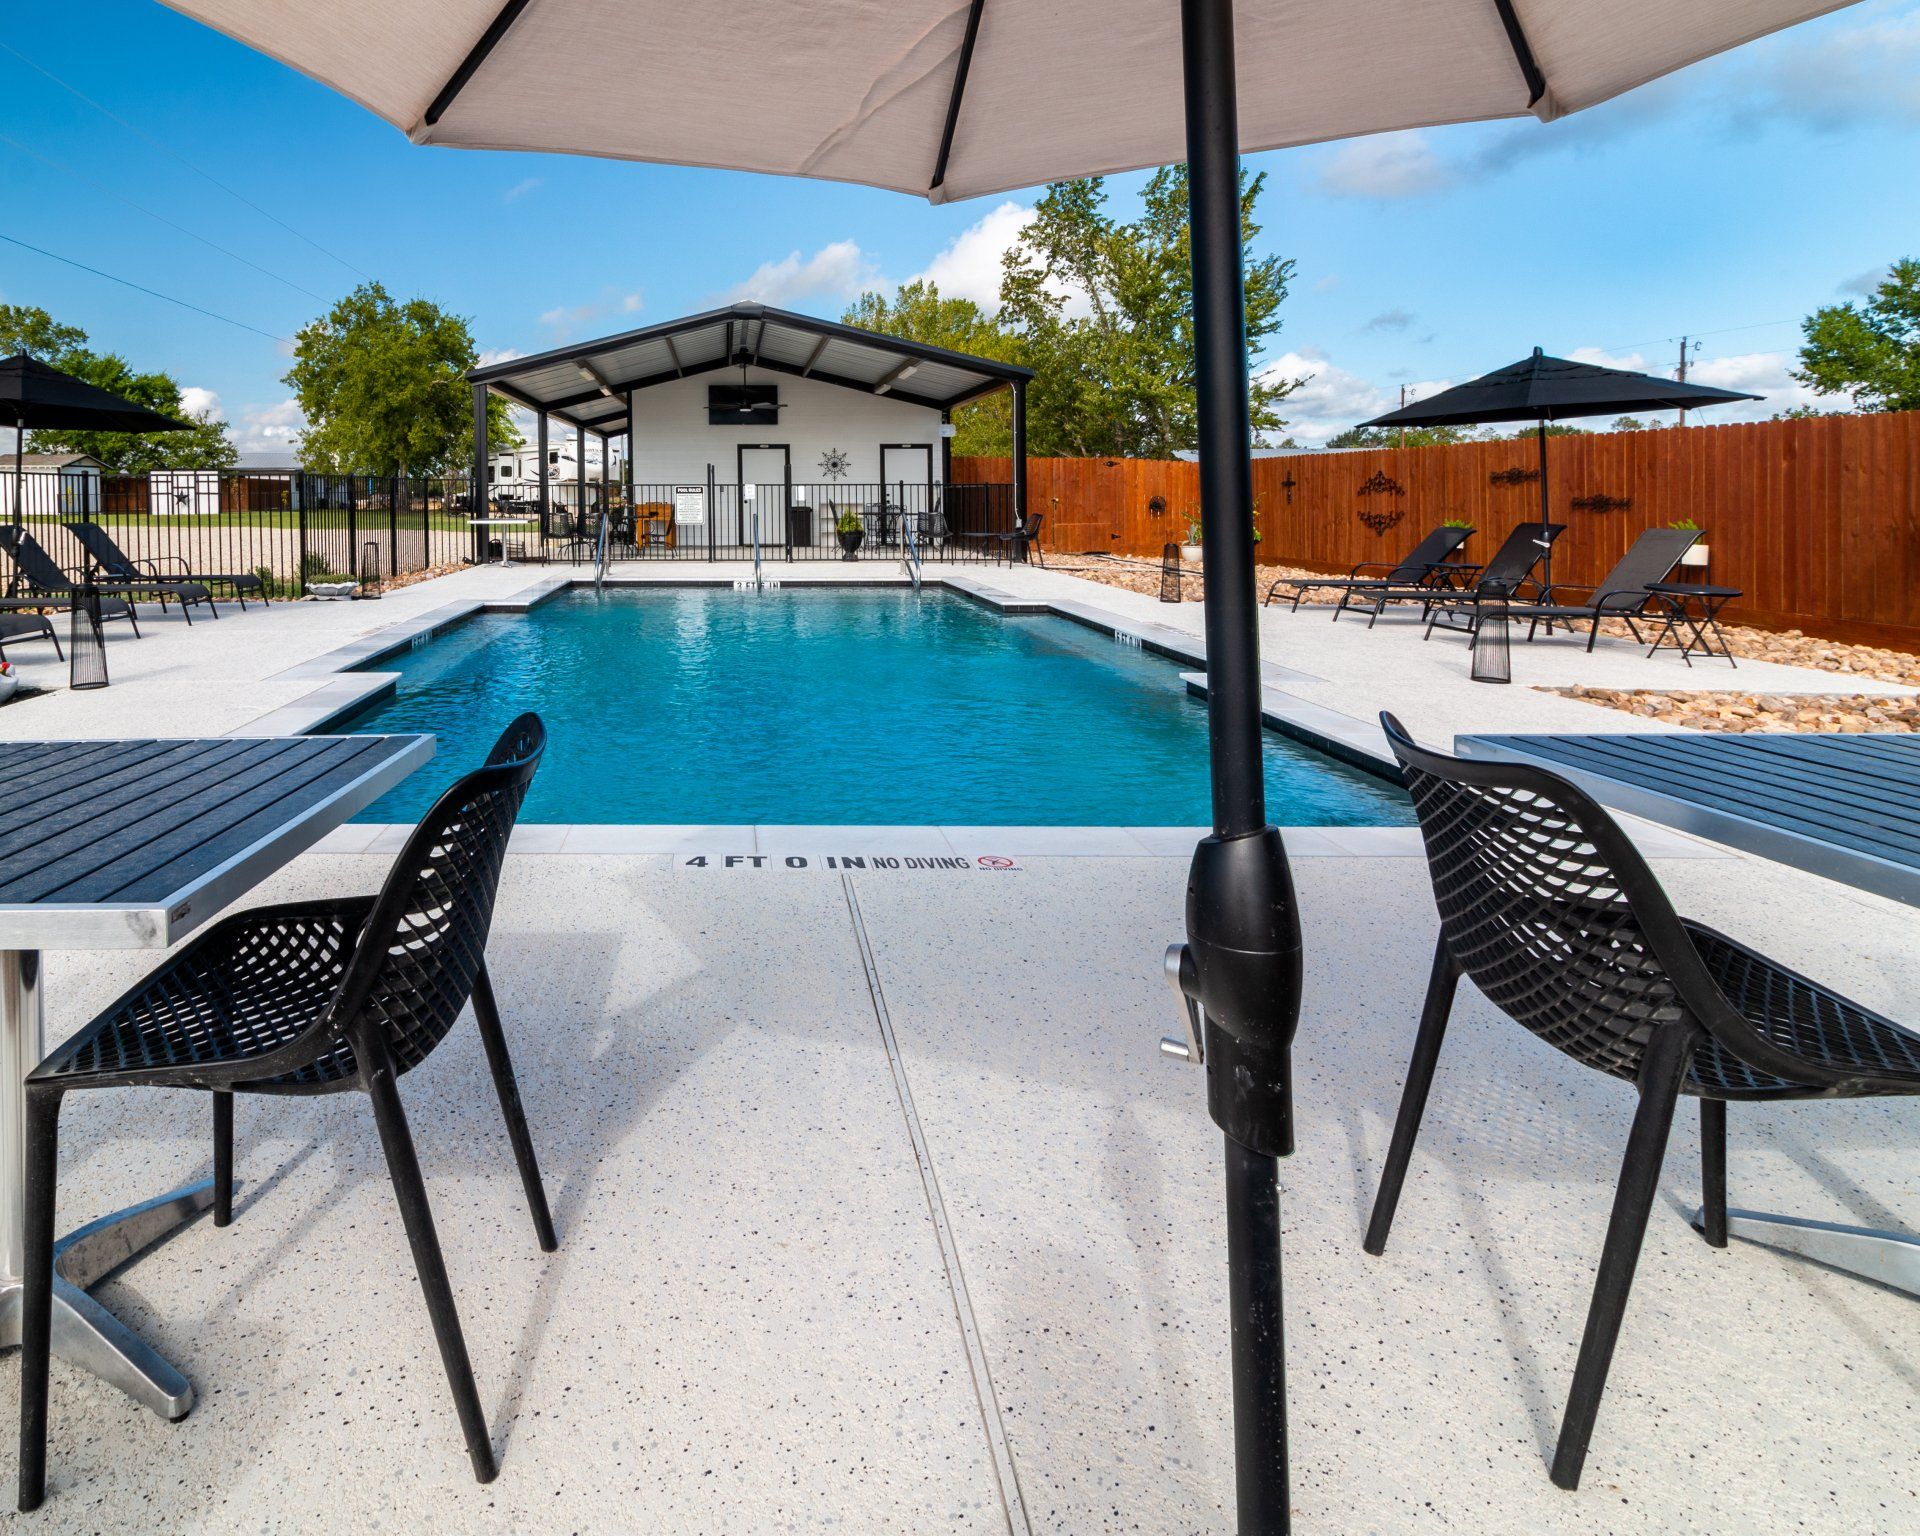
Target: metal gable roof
(587, 382)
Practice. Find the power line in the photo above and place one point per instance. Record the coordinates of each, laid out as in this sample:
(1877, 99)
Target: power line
(142, 288)
(1654, 341)
(175, 155)
(87, 181)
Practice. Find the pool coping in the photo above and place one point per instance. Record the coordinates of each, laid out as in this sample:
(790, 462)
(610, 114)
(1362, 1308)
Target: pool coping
(343, 690)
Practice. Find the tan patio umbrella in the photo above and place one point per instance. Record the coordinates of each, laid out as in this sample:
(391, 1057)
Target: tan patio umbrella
(957, 98)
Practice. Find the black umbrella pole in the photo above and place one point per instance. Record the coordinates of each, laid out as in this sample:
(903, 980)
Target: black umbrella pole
(1242, 963)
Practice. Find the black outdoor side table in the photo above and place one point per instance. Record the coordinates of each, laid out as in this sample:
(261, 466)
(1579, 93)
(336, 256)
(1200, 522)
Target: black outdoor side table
(1692, 618)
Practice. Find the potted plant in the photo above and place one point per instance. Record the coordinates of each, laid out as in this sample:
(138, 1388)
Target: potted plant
(1190, 551)
(852, 532)
(1696, 556)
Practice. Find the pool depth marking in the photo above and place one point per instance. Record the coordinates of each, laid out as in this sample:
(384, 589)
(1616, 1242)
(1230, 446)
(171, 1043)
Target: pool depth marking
(823, 863)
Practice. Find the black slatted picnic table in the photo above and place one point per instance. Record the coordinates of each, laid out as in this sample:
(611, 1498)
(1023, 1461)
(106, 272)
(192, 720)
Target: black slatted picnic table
(1843, 806)
(133, 844)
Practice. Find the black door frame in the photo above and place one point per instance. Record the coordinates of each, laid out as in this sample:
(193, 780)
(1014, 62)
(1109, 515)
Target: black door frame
(785, 450)
(928, 450)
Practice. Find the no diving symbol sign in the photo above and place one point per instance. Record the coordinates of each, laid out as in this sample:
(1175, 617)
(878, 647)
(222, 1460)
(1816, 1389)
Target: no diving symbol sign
(939, 863)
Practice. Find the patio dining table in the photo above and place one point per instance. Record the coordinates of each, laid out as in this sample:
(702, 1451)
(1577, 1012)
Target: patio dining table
(1846, 807)
(134, 845)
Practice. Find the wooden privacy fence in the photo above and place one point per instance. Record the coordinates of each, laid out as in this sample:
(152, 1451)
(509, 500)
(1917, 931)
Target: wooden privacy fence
(1817, 521)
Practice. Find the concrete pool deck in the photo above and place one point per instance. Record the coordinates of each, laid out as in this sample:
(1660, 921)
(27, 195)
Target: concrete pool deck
(754, 1319)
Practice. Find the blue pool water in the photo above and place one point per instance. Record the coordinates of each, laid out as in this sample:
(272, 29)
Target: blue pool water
(697, 705)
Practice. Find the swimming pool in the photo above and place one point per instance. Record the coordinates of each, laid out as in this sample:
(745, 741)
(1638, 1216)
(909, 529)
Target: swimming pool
(832, 706)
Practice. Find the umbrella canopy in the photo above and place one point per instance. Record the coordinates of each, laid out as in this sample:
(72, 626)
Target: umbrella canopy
(32, 394)
(1542, 388)
(951, 99)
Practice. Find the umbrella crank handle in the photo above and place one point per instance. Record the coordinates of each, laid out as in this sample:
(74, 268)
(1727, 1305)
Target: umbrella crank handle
(1184, 977)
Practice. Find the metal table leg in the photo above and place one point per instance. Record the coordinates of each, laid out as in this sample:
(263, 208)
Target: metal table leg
(1892, 1258)
(84, 1332)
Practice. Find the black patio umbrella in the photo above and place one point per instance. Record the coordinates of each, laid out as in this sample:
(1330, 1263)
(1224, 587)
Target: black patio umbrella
(1542, 389)
(33, 394)
(948, 99)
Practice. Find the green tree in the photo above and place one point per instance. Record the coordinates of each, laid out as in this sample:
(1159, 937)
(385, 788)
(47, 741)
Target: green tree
(383, 388)
(1631, 424)
(1103, 311)
(918, 312)
(1869, 352)
(1398, 437)
(25, 328)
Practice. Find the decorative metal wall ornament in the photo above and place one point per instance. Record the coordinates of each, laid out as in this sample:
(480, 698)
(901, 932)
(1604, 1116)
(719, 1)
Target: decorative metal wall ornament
(1517, 475)
(1601, 503)
(1380, 521)
(1156, 506)
(1287, 485)
(836, 464)
(1380, 483)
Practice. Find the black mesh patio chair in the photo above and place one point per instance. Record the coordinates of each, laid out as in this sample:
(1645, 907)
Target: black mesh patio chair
(123, 579)
(309, 998)
(1549, 909)
(1020, 541)
(43, 584)
(170, 569)
(1425, 565)
(16, 626)
(1622, 592)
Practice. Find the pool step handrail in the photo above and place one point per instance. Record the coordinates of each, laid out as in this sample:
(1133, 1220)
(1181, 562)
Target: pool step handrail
(910, 559)
(600, 556)
(758, 583)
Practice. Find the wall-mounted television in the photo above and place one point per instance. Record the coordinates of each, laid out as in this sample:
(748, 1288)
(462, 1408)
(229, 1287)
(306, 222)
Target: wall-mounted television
(743, 405)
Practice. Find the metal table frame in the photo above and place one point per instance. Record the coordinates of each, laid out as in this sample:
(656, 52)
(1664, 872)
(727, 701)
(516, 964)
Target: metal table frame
(84, 1332)
(1696, 633)
(1889, 1258)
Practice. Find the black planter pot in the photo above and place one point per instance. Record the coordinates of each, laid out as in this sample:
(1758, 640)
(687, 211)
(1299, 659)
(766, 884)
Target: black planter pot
(850, 543)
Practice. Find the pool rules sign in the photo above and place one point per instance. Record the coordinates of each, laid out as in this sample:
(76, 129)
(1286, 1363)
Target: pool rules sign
(938, 863)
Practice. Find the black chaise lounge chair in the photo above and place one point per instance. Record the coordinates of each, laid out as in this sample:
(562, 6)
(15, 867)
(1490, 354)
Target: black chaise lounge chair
(1424, 565)
(170, 570)
(1460, 587)
(314, 997)
(1622, 592)
(1556, 917)
(27, 626)
(44, 585)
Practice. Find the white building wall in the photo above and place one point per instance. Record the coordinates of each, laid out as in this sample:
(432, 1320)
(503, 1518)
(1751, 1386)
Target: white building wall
(673, 445)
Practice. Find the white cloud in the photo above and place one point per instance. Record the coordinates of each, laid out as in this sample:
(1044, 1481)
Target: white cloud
(491, 355)
(520, 189)
(839, 271)
(265, 434)
(1865, 73)
(567, 321)
(1386, 165)
(196, 401)
(1766, 374)
(1865, 284)
(969, 266)
(1329, 401)
(1628, 362)
(1395, 319)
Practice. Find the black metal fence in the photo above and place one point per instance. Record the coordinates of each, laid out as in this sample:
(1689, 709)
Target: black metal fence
(292, 527)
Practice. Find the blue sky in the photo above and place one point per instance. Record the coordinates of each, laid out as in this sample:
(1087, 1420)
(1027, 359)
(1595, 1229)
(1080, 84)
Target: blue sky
(1724, 202)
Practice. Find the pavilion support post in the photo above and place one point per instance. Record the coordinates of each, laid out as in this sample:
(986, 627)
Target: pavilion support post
(1241, 963)
(632, 485)
(580, 469)
(946, 448)
(477, 496)
(544, 503)
(1020, 458)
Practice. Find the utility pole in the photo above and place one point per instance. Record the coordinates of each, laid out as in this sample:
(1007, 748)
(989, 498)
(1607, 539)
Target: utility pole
(1403, 406)
(1685, 348)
